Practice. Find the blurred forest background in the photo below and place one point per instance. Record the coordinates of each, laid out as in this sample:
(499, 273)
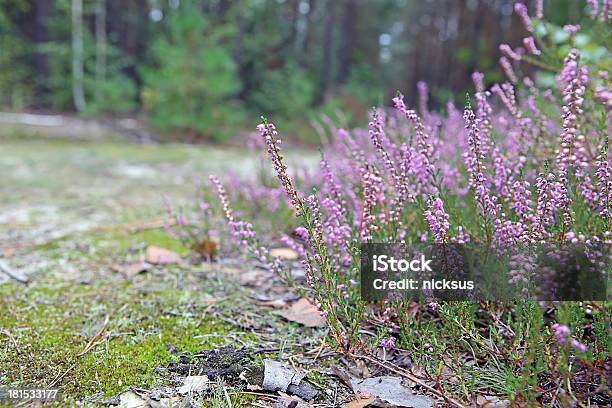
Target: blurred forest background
(209, 68)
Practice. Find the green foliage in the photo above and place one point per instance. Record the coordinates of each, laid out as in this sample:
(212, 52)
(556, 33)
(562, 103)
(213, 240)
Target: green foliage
(365, 86)
(114, 93)
(288, 91)
(193, 80)
(15, 73)
(198, 67)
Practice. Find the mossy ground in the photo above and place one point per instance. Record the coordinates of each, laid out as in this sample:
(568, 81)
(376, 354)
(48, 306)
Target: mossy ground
(69, 211)
(59, 330)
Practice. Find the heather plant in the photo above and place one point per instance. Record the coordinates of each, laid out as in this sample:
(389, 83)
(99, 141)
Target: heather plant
(519, 165)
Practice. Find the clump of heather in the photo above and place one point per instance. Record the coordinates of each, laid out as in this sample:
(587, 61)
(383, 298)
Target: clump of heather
(524, 167)
(244, 234)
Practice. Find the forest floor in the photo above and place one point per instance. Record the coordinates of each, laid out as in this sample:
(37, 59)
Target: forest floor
(71, 214)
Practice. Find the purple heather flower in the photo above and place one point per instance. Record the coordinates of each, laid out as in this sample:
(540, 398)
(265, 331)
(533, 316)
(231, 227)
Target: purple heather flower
(423, 97)
(478, 79)
(421, 136)
(505, 93)
(378, 138)
(575, 80)
(571, 29)
(604, 183)
(508, 70)
(521, 10)
(335, 190)
(521, 199)
(371, 187)
(509, 52)
(569, 71)
(561, 332)
(438, 220)
(388, 344)
(544, 214)
(316, 235)
(530, 46)
(579, 346)
(483, 113)
(521, 268)
(223, 198)
(204, 207)
(540, 9)
(604, 95)
(270, 135)
(487, 203)
(594, 5)
(475, 164)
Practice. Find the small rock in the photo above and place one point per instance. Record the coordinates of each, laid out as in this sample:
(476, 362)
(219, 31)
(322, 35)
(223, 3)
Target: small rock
(130, 399)
(391, 390)
(160, 256)
(284, 253)
(281, 377)
(194, 384)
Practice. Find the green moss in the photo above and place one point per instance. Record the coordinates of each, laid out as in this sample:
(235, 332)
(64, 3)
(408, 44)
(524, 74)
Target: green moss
(160, 238)
(52, 324)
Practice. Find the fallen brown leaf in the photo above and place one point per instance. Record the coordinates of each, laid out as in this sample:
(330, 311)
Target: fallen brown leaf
(160, 256)
(206, 248)
(132, 269)
(304, 313)
(284, 253)
(359, 403)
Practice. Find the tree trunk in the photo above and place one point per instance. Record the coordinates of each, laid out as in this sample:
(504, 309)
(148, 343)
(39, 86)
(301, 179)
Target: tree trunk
(349, 20)
(78, 93)
(326, 68)
(100, 44)
(42, 10)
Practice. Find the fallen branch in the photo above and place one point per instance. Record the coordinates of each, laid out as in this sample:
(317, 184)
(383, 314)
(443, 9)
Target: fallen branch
(10, 272)
(10, 336)
(94, 340)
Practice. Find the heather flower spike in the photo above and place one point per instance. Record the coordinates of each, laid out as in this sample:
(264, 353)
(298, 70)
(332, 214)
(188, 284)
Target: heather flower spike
(530, 46)
(270, 135)
(521, 10)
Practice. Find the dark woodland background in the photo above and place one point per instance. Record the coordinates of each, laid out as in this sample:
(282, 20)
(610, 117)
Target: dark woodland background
(208, 68)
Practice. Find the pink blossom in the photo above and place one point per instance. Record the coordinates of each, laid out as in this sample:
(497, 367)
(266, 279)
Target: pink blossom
(508, 69)
(388, 344)
(579, 346)
(540, 9)
(530, 45)
(521, 10)
(571, 29)
(438, 220)
(509, 52)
